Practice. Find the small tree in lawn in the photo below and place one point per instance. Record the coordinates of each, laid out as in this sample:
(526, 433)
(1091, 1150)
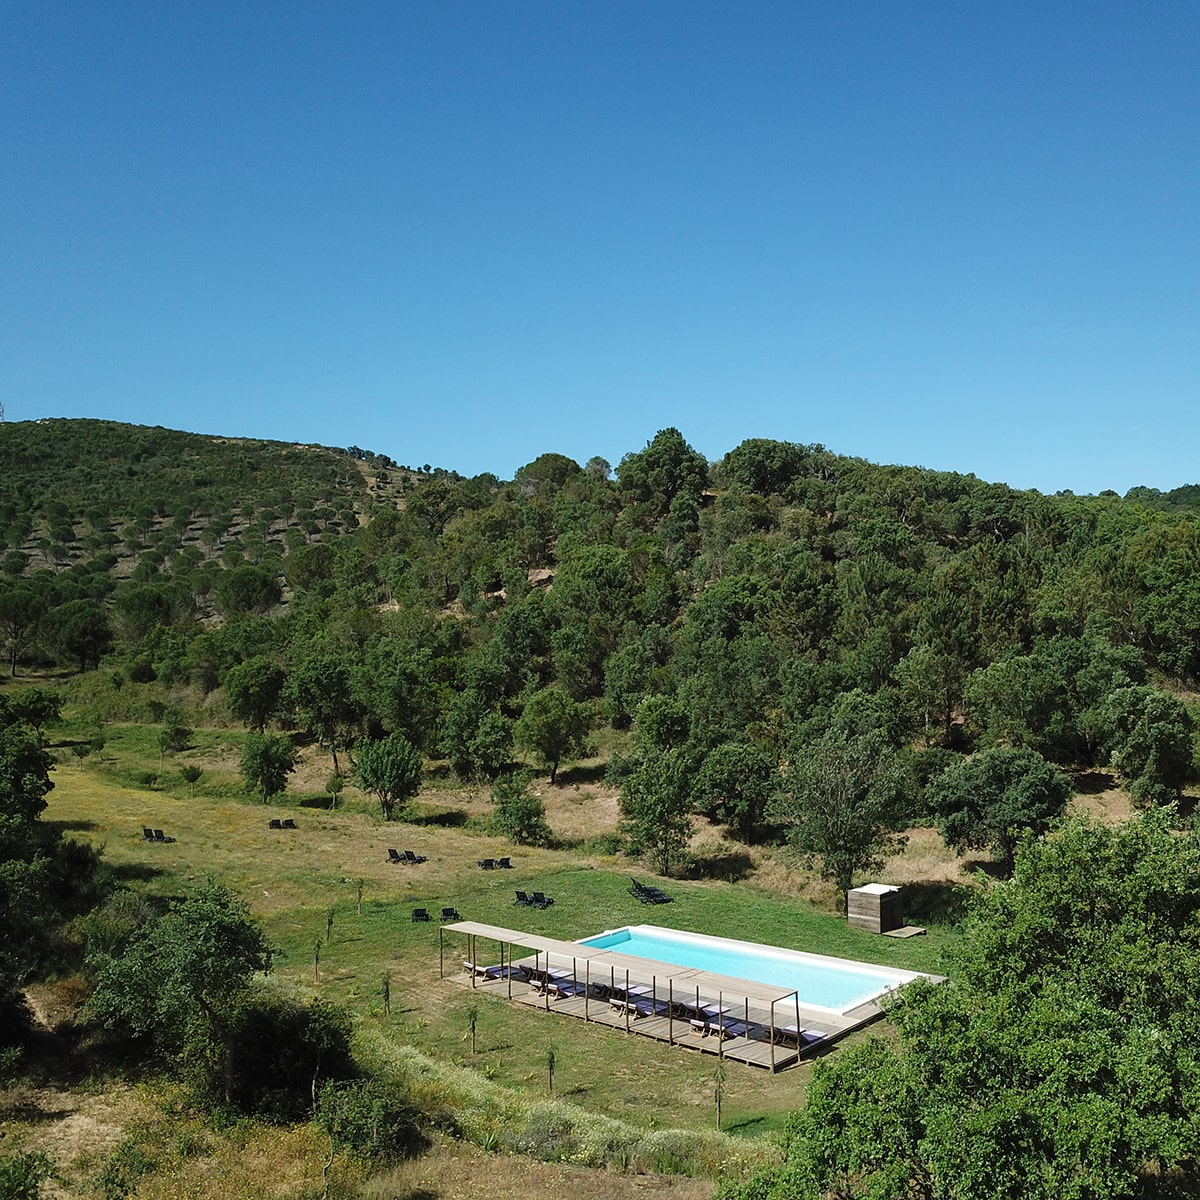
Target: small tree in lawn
(267, 761)
(551, 727)
(333, 788)
(551, 1060)
(473, 1021)
(520, 814)
(843, 800)
(719, 1089)
(391, 769)
(190, 775)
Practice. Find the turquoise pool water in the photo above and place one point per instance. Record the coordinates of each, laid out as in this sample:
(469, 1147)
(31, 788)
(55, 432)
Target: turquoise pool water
(818, 980)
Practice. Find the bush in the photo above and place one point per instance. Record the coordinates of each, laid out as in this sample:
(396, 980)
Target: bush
(22, 1175)
(280, 1047)
(371, 1118)
(520, 814)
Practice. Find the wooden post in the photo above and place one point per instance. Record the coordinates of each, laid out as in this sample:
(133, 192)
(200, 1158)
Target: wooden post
(587, 987)
(474, 960)
(772, 1037)
(720, 1024)
(626, 999)
(441, 947)
(670, 1011)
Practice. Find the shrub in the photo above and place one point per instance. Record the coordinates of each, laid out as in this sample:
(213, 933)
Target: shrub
(373, 1119)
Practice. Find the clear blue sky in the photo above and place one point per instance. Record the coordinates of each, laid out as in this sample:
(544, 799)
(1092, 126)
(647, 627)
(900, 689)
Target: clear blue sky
(965, 236)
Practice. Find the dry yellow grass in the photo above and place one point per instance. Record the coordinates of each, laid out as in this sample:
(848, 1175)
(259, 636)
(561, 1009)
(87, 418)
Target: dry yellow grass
(453, 1171)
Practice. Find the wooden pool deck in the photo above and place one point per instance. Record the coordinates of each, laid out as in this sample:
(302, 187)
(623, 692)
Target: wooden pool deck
(746, 1022)
(674, 1030)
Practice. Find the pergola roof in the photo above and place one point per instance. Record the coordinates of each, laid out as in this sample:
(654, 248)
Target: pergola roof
(601, 962)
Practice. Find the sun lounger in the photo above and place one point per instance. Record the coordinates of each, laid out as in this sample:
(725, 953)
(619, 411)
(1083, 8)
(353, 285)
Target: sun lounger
(564, 989)
(540, 901)
(288, 823)
(488, 864)
(524, 899)
(494, 972)
(274, 823)
(420, 914)
(789, 1035)
(729, 1029)
(503, 864)
(159, 836)
(148, 834)
(450, 914)
(395, 856)
(410, 857)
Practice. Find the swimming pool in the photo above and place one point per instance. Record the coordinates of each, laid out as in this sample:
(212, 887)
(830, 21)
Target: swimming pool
(834, 984)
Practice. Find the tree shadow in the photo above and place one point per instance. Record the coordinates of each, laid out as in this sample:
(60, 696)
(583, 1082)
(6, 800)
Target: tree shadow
(1092, 783)
(936, 901)
(133, 872)
(450, 818)
(730, 865)
(73, 826)
(582, 773)
(746, 1125)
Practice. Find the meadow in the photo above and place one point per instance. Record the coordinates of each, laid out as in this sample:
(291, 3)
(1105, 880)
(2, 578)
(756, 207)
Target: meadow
(327, 891)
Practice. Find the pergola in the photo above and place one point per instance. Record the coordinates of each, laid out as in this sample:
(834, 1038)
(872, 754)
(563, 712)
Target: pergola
(591, 967)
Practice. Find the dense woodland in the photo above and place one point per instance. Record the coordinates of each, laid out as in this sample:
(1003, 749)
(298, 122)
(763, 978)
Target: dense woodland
(800, 645)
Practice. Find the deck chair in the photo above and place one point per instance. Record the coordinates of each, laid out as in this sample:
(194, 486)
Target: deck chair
(451, 914)
(395, 856)
(410, 857)
(540, 901)
(653, 895)
(148, 834)
(159, 836)
(288, 823)
(503, 864)
(420, 914)
(523, 898)
(274, 823)
(488, 864)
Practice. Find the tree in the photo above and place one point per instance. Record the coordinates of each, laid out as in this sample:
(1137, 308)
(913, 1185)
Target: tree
(736, 785)
(37, 706)
(246, 589)
(475, 737)
(390, 768)
(656, 802)
(990, 800)
(1149, 741)
(191, 775)
(27, 905)
(844, 799)
(21, 608)
(551, 727)
(185, 974)
(80, 630)
(1060, 1063)
(267, 761)
(174, 735)
(319, 687)
(254, 689)
(520, 814)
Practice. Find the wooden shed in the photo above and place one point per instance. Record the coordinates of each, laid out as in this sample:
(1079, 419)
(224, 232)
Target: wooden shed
(874, 906)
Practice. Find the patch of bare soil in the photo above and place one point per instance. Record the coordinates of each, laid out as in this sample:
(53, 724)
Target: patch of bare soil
(75, 1130)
